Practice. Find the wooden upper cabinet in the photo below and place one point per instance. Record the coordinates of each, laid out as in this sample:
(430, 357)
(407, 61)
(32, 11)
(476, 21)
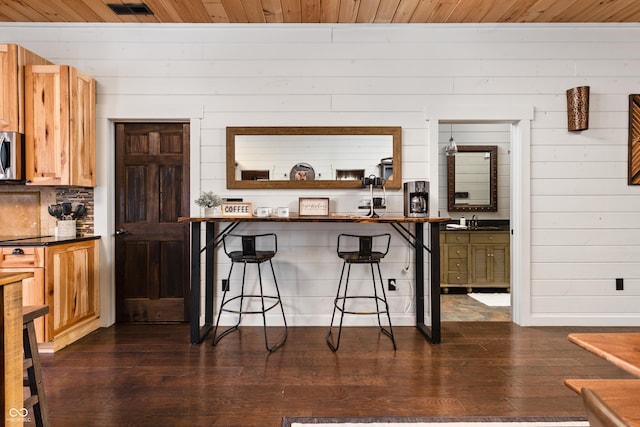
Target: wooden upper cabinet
(13, 58)
(82, 133)
(60, 126)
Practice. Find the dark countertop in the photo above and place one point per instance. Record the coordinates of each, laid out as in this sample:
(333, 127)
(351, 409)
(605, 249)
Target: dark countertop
(43, 240)
(483, 225)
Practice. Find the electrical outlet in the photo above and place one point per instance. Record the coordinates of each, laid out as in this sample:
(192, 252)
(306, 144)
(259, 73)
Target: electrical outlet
(392, 284)
(619, 284)
(225, 285)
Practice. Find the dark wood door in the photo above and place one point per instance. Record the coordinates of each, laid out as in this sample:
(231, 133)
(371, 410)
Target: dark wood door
(152, 248)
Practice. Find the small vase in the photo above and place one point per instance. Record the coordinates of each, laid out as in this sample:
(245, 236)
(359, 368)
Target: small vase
(214, 211)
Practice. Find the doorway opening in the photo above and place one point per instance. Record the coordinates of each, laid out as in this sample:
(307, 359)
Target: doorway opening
(475, 268)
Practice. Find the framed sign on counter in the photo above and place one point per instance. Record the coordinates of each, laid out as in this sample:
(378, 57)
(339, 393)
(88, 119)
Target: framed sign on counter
(237, 209)
(313, 206)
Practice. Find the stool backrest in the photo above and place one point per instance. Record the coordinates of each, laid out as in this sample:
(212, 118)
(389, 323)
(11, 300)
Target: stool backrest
(364, 245)
(250, 244)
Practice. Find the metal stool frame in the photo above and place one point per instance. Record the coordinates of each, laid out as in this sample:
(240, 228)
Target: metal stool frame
(33, 380)
(250, 255)
(364, 255)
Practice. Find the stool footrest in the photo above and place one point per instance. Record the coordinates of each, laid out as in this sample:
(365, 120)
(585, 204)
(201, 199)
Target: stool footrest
(229, 310)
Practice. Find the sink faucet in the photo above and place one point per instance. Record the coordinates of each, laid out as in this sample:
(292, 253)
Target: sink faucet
(474, 221)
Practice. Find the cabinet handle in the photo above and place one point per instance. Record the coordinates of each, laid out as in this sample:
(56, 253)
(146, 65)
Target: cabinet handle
(17, 251)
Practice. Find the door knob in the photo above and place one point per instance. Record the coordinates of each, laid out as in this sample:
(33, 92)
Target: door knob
(120, 231)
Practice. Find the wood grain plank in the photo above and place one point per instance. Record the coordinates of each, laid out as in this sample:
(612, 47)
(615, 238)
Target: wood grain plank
(348, 11)
(405, 10)
(235, 11)
(272, 10)
(310, 11)
(216, 11)
(386, 10)
(291, 11)
(328, 11)
(254, 11)
(622, 350)
(367, 11)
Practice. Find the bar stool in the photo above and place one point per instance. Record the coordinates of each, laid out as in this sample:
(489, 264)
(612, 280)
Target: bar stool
(33, 380)
(354, 249)
(251, 249)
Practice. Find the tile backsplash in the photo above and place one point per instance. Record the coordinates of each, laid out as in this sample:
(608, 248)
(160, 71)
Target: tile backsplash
(82, 195)
(23, 209)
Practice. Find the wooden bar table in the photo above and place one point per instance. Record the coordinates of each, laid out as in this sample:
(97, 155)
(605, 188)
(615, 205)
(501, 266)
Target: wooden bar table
(621, 349)
(623, 396)
(427, 312)
(12, 363)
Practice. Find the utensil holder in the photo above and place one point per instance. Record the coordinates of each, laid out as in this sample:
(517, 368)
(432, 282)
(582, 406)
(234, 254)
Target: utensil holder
(66, 228)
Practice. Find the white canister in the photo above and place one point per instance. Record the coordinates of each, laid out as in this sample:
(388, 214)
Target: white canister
(282, 212)
(262, 211)
(66, 228)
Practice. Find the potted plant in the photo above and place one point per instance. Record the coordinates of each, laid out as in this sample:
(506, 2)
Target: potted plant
(209, 202)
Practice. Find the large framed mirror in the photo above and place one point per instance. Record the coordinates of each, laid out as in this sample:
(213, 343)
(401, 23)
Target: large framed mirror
(313, 157)
(472, 179)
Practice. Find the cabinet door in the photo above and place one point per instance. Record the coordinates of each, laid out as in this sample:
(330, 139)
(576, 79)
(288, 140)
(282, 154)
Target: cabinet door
(500, 260)
(8, 88)
(47, 124)
(71, 279)
(490, 265)
(82, 129)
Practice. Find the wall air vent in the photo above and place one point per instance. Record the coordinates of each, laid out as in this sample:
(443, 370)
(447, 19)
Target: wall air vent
(130, 9)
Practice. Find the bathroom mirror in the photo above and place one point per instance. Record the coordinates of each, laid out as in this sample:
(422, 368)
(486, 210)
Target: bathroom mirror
(472, 179)
(312, 157)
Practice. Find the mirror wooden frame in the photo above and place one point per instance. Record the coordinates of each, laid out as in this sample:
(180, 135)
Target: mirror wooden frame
(493, 179)
(633, 173)
(232, 132)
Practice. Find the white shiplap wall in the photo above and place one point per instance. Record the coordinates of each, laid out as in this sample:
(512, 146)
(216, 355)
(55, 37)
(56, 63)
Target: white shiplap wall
(584, 217)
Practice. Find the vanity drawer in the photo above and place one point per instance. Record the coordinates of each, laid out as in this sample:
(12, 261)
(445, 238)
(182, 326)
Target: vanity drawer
(21, 256)
(479, 237)
(456, 237)
(457, 251)
(457, 278)
(457, 266)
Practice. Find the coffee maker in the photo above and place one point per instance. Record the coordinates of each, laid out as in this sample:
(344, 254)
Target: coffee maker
(416, 199)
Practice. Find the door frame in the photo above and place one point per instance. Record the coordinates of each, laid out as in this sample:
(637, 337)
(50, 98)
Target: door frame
(520, 118)
(104, 192)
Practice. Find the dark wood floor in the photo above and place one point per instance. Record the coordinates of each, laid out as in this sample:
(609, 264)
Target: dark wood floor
(151, 376)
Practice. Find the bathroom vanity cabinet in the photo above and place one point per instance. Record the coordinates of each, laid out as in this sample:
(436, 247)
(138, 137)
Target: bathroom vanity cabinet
(474, 259)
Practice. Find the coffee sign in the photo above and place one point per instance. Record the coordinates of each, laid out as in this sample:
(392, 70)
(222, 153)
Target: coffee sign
(237, 209)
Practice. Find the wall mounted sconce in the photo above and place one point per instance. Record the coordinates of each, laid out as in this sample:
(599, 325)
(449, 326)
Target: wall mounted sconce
(451, 149)
(578, 108)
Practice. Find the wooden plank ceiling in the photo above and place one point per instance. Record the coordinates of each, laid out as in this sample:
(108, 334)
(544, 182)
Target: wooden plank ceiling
(326, 11)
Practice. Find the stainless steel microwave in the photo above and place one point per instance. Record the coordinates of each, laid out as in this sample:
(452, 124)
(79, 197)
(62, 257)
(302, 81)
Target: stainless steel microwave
(12, 156)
